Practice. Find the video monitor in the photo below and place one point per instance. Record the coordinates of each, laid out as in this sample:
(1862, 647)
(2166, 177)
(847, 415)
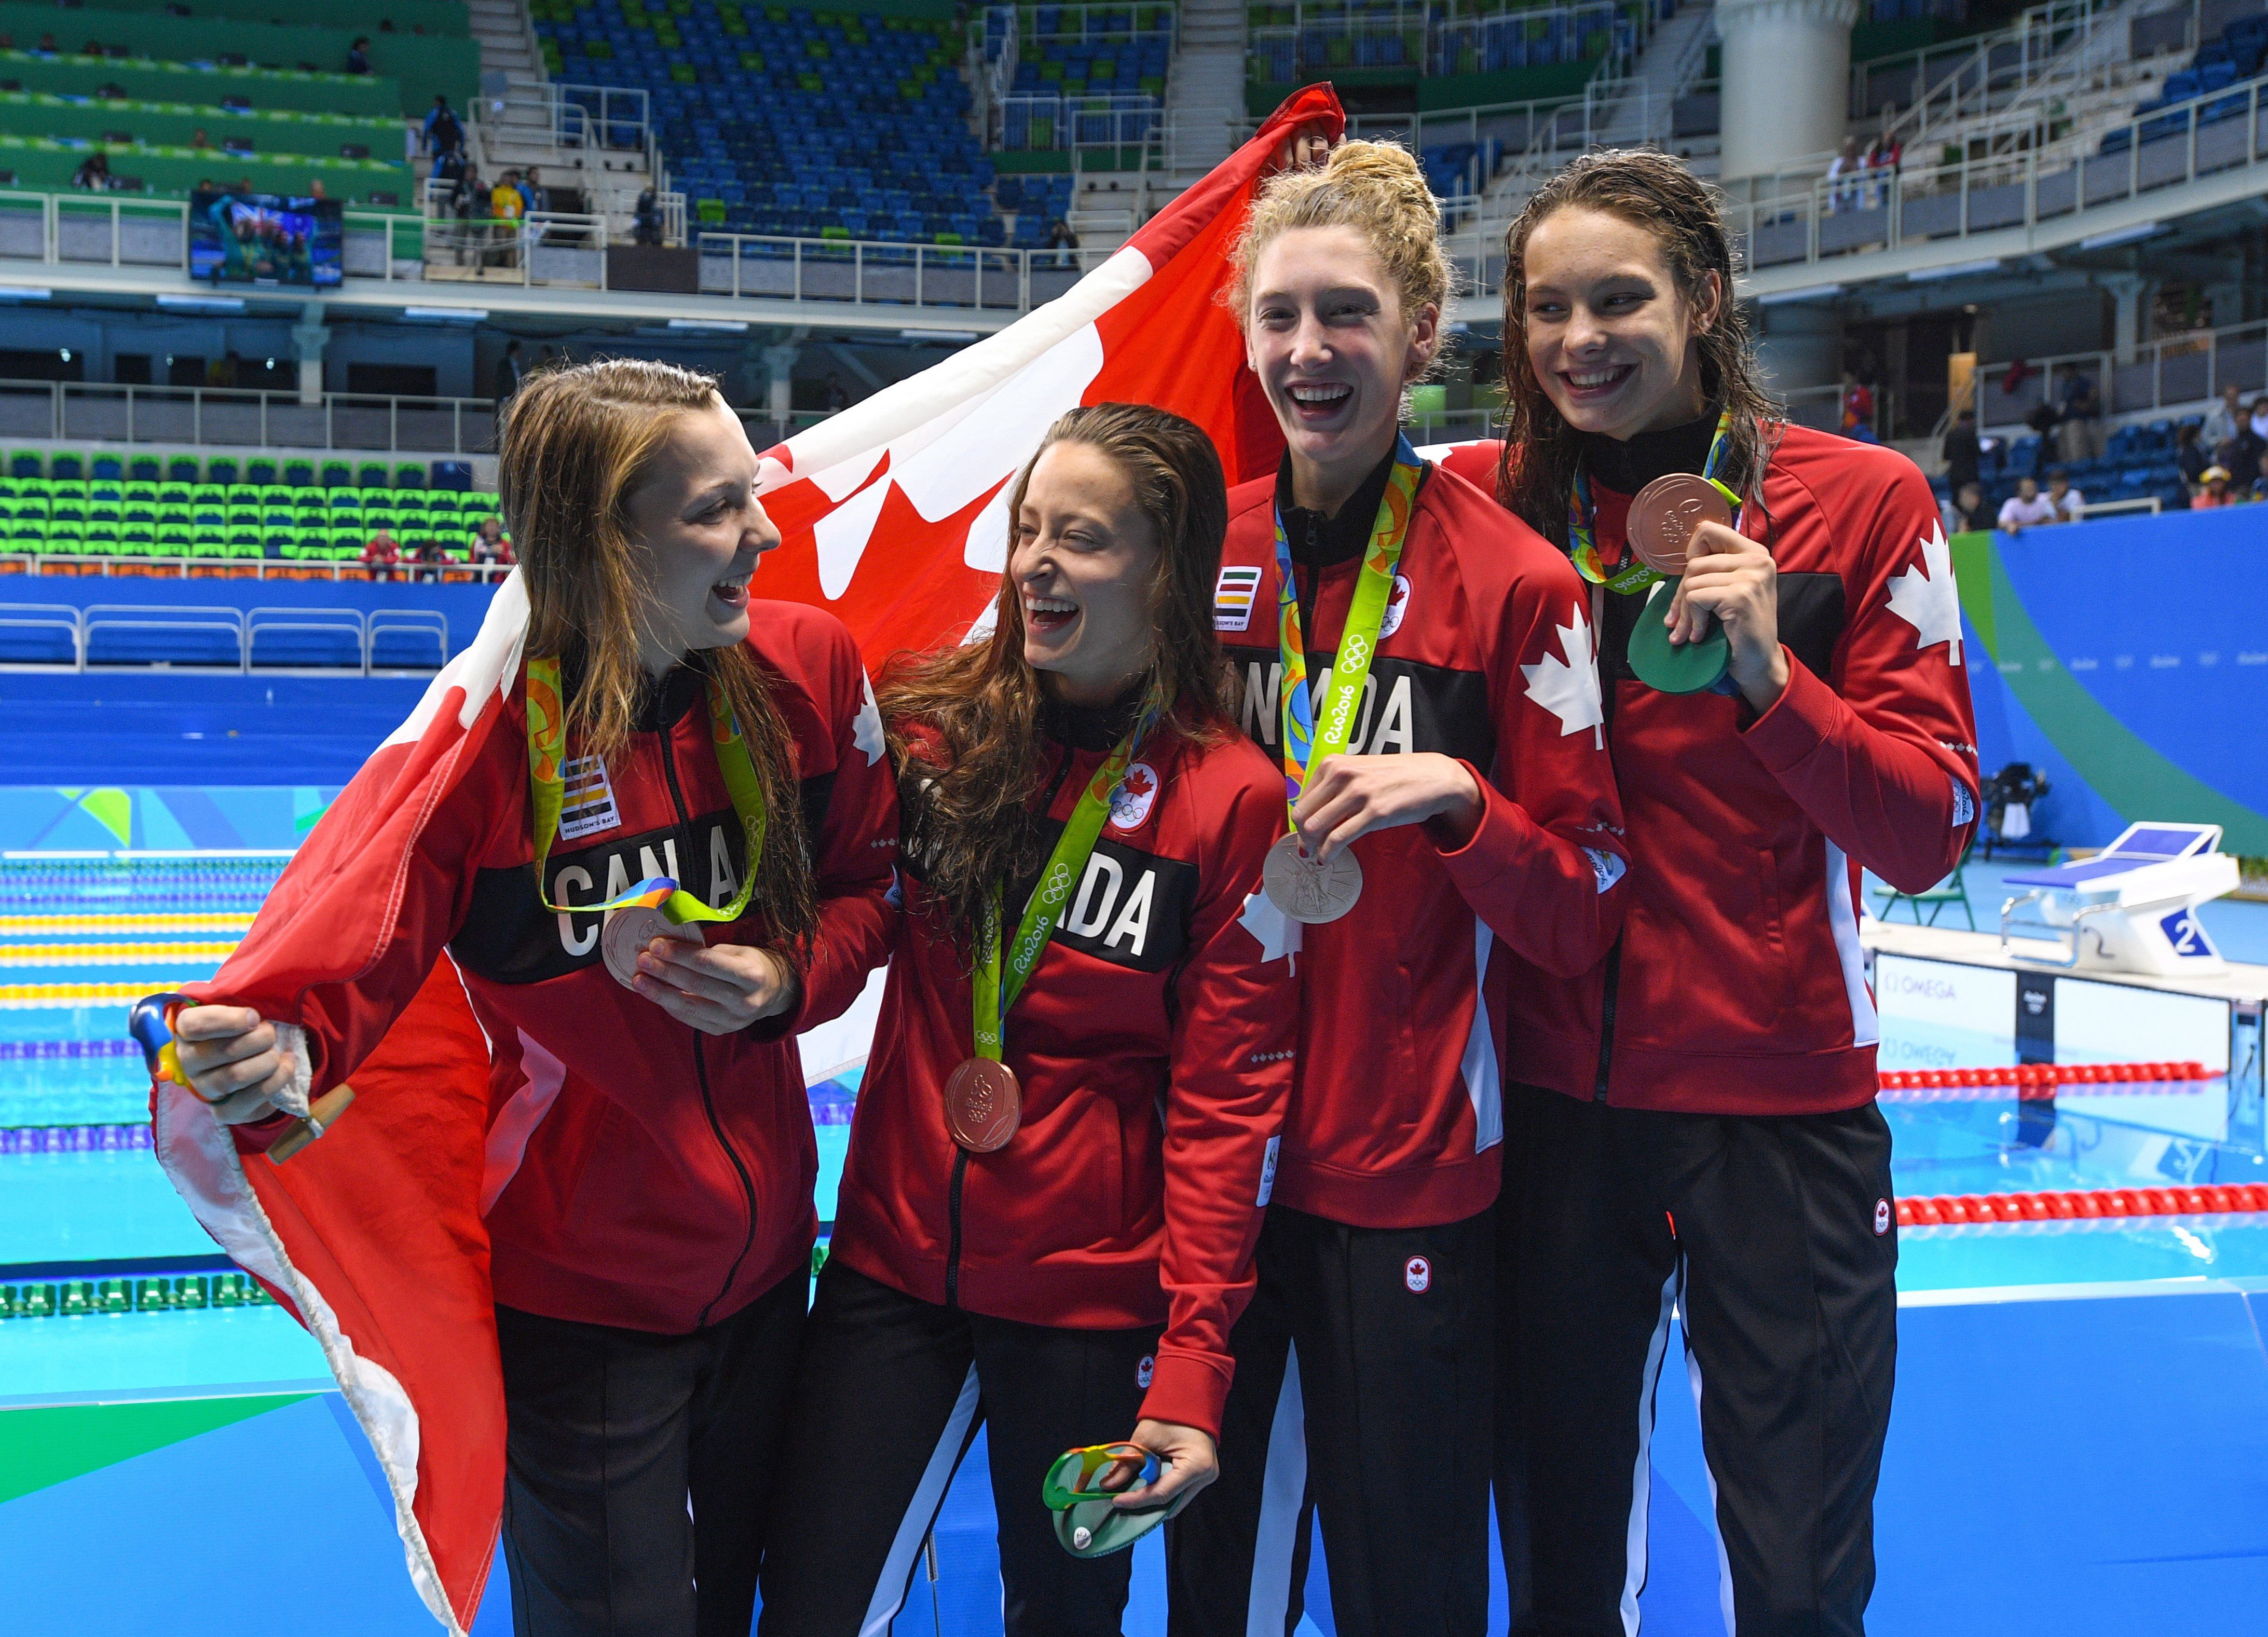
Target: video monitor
(263, 238)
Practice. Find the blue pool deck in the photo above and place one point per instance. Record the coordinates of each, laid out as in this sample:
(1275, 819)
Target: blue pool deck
(2080, 1443)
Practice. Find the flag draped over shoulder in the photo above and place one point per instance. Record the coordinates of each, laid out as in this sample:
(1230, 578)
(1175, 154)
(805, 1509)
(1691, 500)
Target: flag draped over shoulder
(893, 518)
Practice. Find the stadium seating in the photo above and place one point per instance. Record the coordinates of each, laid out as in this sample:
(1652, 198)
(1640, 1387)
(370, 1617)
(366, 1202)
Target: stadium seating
(2239, 53)
(62, 504)
(2138, 464)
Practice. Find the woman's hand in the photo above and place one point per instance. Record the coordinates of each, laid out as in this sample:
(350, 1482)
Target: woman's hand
(1190, 1460)
(234, 1061)
(1305, 149)
(1734, 578)
(719, 989)
(1347, 796)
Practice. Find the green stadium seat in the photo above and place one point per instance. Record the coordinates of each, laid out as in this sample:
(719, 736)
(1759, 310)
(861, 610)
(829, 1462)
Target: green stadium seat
(183, 469)
(260, 469)
(272, 495)
(67, 464)
(371, 475)
(243, 494)
(144, 469)
(172, 493)
(306, 516)
(245, 517)
(111, 468)
(101, 511)
(27, 463)
(245, 542)
(346, 499)
(409, 475)
(102, 539)
(28, 537)
(66, 539)
(299, 473)
(181, 514)
(140, 504)
(207, 542)
(347, 542)
(68, 505)
(337, 475)
(173, 541)
(221, 469)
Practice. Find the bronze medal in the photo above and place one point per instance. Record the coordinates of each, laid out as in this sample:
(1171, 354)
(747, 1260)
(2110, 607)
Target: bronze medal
(1308, 892)
(984, 1105)
(1665, 515)
(629, 931)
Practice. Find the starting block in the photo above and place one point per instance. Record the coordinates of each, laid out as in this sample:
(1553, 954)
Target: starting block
(2131, 908)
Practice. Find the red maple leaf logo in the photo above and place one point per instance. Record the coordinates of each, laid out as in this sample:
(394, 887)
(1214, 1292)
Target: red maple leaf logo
(1400, 595)
(1138, 780)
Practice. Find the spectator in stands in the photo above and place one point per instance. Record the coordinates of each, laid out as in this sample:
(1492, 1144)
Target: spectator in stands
(48, 44)
(1967, 511)
(2259, 421)
(645, 221)
(2224, 423)
(432, 558)
(443, 133)
(509, 370)
(198, 139)
(1843, 177)
(2260, 483)
(838, 396)
(92, 49)
(382, 556)
(1858, 419)
(93, 172)
(1961, 450)
(2026, 508)
(2079, 434)
(2043, 419)
(1062, 241)
(315, 190)
(358, 56)
(469, 204)
(2243, 451)
(2189, 453)
(491, 544)
(506, 207)
(2213, 489)
(2070, 504)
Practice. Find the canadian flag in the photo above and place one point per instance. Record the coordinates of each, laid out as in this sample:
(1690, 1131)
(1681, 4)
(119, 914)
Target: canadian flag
(893, 518)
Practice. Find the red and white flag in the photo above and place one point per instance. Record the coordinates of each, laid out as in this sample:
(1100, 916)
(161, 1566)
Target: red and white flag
(893, 518)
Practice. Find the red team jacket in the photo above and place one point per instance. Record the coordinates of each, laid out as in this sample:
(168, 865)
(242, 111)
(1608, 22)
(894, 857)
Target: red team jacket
(1153, 1044)
(1739, 986)
(640, 1173)
(1485, 654)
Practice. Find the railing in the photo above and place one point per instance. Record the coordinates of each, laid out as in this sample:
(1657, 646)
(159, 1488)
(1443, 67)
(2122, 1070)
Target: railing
(1097, 24)
(34, 565)
(1941, 87)
(1814, 222)
(551, 247)
(765, 268)
(2172, 371)
(100, 412)
(1077, 124)
(1479, 45)
(69, 228)
(238, 630)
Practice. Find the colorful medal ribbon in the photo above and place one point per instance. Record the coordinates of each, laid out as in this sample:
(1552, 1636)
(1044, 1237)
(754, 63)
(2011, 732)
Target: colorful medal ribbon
(992, 992)
(1350, 669)
(1582, 538)
(546, 795)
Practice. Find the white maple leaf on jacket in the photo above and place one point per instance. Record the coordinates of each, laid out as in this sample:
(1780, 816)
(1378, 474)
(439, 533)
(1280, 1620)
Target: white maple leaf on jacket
(1925, 597)
(1569, 688)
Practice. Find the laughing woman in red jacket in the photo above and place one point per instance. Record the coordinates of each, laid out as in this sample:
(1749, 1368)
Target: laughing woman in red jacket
(1696, 1112)
(1062, 1139)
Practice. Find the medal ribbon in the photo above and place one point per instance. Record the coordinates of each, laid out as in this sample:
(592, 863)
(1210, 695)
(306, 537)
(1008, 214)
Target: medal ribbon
(1349, 669)
(546, 795)
(993, 992)
(1582, 538)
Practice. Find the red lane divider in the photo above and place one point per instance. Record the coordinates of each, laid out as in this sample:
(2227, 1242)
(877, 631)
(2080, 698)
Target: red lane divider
(2038, 1083)
(2081, 1205)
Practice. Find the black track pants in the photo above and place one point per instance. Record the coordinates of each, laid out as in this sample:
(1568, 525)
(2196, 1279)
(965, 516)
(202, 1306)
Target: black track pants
(1364, 1390)
(637, 1466)
(1775, 1239)
(890, 1394)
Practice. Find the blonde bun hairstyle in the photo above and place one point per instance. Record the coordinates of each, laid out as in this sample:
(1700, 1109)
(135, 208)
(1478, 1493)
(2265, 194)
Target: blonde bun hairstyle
(1378, 189)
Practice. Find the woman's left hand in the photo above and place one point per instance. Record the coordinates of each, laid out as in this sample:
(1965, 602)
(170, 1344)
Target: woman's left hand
(1189, 1459)
(1734, 578)
(1347, 796)
(720, 989)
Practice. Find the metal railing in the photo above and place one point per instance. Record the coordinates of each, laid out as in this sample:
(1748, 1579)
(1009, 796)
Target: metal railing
(955, 277)
(2172, 371)
(1410, 33)
(1814, 222)
(233, 628)
(68, 228)
(98, 412)
(1079, 124)
(2006, 79)
(35, 565)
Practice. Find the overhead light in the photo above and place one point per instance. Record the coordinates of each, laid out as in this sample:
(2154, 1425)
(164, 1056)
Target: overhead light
(719, 326)
(23, 292)
(459, 315)
(2122, 236)
(1959, 270)
(202, 304)
(959, 337)
(1809, 293)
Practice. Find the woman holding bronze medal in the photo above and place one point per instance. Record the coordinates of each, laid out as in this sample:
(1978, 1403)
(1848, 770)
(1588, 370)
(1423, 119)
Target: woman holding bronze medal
(1068, 1122)
(1781, 645)
(1418, 665)
(667, 849)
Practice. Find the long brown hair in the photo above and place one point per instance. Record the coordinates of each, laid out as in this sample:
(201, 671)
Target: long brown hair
(964, 723)
(1652, 191)
(578, 443)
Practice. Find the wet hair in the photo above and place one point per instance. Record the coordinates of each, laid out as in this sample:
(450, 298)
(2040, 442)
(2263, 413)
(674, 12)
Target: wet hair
(579, 442)
(1375, 187)
(1655, 192)
(965, 723)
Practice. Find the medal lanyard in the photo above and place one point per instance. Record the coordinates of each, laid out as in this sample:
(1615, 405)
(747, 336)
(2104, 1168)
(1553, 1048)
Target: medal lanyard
(1582, 537)
(1350, 669)
(993, 992)
(547, 794)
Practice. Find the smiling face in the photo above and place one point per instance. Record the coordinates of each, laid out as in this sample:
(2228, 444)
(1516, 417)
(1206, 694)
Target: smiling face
(1609, 338)
(700, 527)
(1326, 337)
(1083, 564)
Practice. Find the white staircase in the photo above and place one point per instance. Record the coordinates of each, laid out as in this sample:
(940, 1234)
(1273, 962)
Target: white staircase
(507, 41)
(1204, 88)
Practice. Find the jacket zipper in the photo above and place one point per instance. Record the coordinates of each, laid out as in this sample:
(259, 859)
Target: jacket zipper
(1610, 990)
(701, 1064)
